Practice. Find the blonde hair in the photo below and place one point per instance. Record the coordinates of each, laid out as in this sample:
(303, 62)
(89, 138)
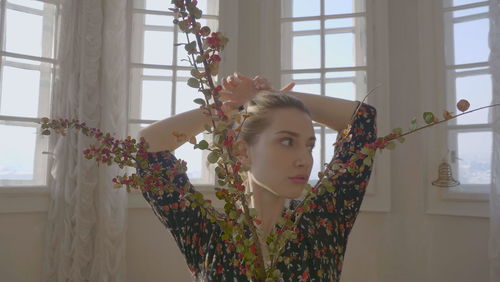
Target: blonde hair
(260, 108)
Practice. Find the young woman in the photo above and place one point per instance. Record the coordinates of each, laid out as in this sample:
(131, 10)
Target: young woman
(276, 144)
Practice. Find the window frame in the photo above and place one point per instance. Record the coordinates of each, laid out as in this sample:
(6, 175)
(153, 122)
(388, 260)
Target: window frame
(47, 67)
(434, 78)
(228, 24)
(375, 68)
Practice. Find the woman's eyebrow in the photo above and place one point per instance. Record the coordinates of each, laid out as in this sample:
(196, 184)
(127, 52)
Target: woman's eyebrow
(294, 134)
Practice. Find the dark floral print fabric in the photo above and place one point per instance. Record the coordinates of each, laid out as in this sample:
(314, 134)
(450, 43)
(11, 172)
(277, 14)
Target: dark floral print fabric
(318, 251)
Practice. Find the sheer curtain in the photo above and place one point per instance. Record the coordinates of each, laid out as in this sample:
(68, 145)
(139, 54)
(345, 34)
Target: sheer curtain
(85, 236)
(494, 244)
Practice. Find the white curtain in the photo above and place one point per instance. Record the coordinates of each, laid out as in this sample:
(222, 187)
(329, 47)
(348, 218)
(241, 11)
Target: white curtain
(494, 242)
(85, 236)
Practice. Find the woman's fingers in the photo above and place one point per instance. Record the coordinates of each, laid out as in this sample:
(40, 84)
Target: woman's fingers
(225, 94)
(229, 106)
(288, 87)
(262, 83)
(241, 77)
(226, 84)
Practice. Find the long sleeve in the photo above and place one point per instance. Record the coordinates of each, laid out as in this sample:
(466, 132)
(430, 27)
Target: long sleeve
(345, 201)
(190, 229)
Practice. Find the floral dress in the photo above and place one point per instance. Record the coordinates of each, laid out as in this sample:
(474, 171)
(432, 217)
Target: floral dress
(318, 251)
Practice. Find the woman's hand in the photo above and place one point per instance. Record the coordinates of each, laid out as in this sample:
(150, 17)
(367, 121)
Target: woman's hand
(238, 89)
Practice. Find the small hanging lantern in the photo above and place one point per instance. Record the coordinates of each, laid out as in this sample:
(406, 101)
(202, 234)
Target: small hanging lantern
(445, 178)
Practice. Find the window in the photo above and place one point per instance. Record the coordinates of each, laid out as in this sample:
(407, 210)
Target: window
(466, 24)
(328, 49)
(159, 74)
(28, 51)
(323, 47)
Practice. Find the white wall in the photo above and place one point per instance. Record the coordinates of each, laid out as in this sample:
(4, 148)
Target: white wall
(404, 245)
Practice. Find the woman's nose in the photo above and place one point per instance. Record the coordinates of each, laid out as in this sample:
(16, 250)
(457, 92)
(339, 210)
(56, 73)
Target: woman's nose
(303, 159)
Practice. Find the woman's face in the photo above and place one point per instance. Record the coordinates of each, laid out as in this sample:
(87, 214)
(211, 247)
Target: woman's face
(283, 150)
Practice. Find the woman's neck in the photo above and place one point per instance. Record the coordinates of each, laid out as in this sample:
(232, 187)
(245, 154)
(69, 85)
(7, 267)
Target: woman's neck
(268, 206)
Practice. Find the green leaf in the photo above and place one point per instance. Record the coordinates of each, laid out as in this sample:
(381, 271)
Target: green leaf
(428, 117)
(199, 101)
(213, 157)
(197, 13)
(390, 145)
(46, 132)
(401, 139)
(190, 47)
(365, 150)
(207, 92)
(203, 145)
(398, 131)
(208, 128)
(413, 124)
(193, 82)
(368, 161)
(197, 74)
(199, 59)
(232, 214)
(217, 138)
(221, 182)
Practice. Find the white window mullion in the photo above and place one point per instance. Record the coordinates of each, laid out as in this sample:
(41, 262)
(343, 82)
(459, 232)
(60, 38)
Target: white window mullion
(174, 74)
(322, 83)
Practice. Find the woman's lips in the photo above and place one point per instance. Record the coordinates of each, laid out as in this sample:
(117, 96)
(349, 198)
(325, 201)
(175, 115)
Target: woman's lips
(298, 180)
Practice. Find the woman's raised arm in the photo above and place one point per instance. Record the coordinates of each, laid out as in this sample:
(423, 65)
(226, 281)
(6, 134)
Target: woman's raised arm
(332, 112)
(159, 135)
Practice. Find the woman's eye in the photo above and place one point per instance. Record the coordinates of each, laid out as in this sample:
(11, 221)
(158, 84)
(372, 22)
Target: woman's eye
(287, 139)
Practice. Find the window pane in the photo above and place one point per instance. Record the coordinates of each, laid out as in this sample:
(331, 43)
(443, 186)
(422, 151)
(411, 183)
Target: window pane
(158, 46)
(193, 158)
(347, 85)
(157, 72)
(306, 52)
(209, 7)
(344, 90)
(344, 6)
(297, 76)
(468, 12)
(185, 96)
(305, 81)
(339, 23)
(330, 139)
(316, 156)
(20, 89)
(23, 33)
(465, 2)
(339, 50)
(477, 90)
(471, 41)
(28, 3)
(18, 152)
(182, 55)
(156, 5)
(159, 20)
(156, 99)
(308, 88)
(304, 8)
(305, 25)
(474, 162)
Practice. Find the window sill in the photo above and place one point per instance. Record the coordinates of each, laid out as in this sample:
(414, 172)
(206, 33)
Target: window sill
(35, 199)
(457, 202)
(24, 199)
